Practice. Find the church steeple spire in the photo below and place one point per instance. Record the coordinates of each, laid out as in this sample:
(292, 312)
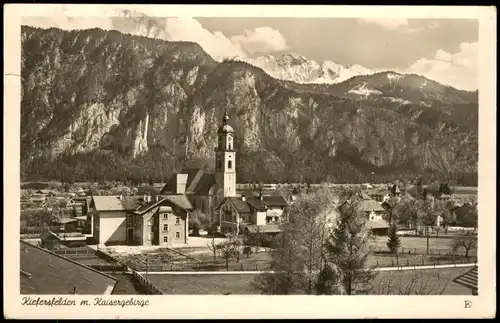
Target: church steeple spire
(225, 164)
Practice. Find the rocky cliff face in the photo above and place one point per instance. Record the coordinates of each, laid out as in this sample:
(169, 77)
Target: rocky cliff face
(94, 90)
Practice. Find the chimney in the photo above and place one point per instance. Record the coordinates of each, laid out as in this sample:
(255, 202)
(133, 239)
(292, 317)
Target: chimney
(243, 198)
(261, 195)
(181, 182)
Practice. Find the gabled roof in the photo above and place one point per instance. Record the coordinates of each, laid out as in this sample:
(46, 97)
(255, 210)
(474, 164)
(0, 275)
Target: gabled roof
(49, 234)
(148, 205)
(256, 203)
(181, 201)
(178, 200)
(46, 192)
(194, 176)
(108, 203)
(370, 205)
(44, 272)
(198, 182)
(169, 186)
(238, 204)
(115, 203)
(365, 203)
(274, 200)
(205, 183)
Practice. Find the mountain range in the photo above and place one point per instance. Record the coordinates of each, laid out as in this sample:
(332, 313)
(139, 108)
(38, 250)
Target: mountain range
(299, 69)
(130, 105)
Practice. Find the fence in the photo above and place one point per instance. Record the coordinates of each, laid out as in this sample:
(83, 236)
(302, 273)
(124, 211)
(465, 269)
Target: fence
(146, 283)
(114, 268)
(423, 262)
(423, 251)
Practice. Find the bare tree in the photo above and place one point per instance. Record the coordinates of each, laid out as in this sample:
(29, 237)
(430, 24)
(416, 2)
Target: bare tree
(467, 241)
(217, 199)
(296, 259)
(427, 216)
(212, 246)
(230, 248)
(417, 284)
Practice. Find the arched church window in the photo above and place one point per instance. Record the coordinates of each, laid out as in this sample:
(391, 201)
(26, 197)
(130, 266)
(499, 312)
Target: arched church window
(229, 164)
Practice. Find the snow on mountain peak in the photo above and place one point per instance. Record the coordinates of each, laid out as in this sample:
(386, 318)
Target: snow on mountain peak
(297, 68)
(394, 76)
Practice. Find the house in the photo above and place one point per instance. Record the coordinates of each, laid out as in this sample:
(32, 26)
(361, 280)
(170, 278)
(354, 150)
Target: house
(373, 211)
(43, 272)
(52, 241)
(461, 196)
(81, 205)
(38, 199)
(47, 193)
(140, 220)
(163, 221)
(203, 189)
(249, 214)
(67, 224)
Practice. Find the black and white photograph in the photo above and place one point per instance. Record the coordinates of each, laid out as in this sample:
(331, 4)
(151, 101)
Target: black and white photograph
(230, 155)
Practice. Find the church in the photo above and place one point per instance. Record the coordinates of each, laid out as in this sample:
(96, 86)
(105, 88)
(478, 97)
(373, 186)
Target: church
(215, 193)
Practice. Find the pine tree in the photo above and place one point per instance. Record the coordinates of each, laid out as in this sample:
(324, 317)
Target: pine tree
(394, 241)
(347, 252)
(298, 254)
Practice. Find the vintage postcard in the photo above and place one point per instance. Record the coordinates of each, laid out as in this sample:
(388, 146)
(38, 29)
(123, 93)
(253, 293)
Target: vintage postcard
(285, 161)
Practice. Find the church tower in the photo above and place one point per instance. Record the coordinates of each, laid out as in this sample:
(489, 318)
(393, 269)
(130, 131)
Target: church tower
(225, 160)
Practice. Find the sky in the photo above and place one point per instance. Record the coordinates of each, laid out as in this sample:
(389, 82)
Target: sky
(444, 50)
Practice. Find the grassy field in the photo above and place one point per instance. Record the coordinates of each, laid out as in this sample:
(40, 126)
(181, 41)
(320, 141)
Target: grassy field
(412, 253)
(200, 258)
(239, 284)
(415, 244)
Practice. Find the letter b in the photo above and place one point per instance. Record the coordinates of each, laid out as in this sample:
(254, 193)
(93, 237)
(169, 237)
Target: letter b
(468, 304)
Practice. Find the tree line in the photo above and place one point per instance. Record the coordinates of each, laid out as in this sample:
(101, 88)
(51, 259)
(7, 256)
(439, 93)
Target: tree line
(158, 166)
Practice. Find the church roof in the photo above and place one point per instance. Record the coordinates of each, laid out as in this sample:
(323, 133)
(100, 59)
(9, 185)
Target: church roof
(197, 182)
(226, 129)
(204, 185)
